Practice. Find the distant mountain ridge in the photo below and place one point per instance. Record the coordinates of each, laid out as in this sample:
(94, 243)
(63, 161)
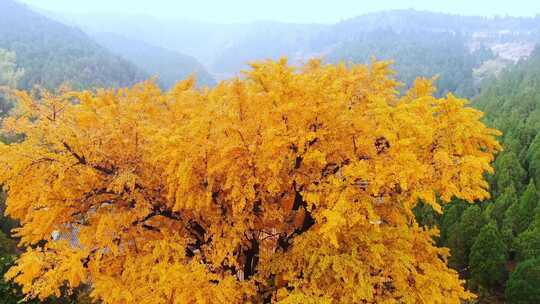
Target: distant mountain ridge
(462, 51)
(52, 53)
(225, 49)
(477, 30)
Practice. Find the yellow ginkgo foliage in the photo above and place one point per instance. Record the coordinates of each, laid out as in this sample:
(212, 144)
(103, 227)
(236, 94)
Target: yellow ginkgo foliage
(290, 185)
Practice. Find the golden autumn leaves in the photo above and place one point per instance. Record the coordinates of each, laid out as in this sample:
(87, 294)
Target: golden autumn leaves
(289, 185)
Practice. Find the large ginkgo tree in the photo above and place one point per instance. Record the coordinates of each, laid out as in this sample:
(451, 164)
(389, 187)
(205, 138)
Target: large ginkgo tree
(290, 185)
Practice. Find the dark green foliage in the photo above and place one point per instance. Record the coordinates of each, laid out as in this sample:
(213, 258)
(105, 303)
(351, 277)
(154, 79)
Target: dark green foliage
(469, 227)
(508, 172)
(507, 198)
(7, 245)
(459, 228)
(512, 104)
(52, 53)
(527, 244)
(451, 234)
(524, 282)
(426, 216)
(510, 226)
(6, 223)
(520, 214)
(527, 205)
(9, 293)
(488, 258)
(533, 158)
(450, 216)
(456, 244)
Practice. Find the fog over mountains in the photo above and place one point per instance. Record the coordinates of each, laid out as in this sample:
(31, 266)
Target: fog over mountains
(461, 50)
(225, 49)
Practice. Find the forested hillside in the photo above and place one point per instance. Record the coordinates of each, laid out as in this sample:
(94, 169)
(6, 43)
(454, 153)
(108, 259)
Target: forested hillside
(462, 51)
(168, 66)
(495, 244)
(432, 44)
(497, 28)
(419, 53)
(52, 53)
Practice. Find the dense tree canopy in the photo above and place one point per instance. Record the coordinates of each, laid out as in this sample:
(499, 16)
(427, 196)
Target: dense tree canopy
(522, 287)
(488, 257)
(512, 105)
(291, 185)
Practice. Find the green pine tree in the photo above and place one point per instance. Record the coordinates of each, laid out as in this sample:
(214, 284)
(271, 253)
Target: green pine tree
(508, 172)
(523, 285)
(450, 216)
(488, 258)
(527, 245)
(533, 159)
(502, 203)
(462, 234)
(527, 205)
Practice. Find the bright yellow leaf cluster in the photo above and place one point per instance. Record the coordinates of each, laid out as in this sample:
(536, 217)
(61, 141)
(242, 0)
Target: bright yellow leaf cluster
(293, 185)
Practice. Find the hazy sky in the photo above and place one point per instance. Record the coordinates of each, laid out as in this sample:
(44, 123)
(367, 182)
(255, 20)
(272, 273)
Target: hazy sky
(325, 11)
